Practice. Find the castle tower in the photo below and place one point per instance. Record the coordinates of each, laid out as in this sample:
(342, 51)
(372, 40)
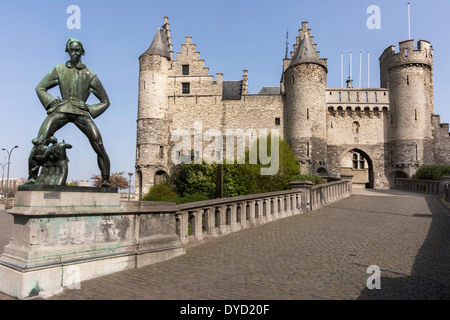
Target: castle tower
(152, 126)
(305, 126)
(408, 75)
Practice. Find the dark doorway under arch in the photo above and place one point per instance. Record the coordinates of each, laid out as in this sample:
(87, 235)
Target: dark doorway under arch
(160, 176)
(394, 175)
(322, 172)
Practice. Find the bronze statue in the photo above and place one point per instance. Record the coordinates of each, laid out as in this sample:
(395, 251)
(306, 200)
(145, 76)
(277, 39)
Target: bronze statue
(76, 82)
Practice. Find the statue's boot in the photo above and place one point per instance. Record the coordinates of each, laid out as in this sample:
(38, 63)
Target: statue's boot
(105, 182)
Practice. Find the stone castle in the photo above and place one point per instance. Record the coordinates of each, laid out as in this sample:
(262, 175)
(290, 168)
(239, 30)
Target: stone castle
(375, 134)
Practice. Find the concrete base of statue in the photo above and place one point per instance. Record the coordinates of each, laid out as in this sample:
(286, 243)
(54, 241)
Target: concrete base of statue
(63, 236)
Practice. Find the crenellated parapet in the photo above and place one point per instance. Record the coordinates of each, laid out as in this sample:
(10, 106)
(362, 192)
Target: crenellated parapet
(407, 56)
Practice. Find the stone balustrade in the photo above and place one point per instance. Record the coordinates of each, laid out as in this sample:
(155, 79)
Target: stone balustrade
(437, 187)
(213, 218)
(426, 186)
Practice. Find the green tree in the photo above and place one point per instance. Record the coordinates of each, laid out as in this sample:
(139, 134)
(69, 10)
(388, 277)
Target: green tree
(288, 167)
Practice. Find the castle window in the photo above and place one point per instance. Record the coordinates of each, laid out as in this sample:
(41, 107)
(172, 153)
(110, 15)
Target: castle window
(339, 97)
(415, 114)
(161, 151)
(407, 80)
(185, 69)
(376, 99)
(277, 121)
(359, 163)
(307, 113)
(186, 88)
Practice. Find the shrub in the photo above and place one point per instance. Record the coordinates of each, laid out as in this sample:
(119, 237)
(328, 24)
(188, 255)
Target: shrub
(195, 179)
(432, 172)
(191, 198)
(161, 192)
(315, 179)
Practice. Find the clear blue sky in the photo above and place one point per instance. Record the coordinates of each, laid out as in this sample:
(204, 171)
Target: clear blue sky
(231, 36)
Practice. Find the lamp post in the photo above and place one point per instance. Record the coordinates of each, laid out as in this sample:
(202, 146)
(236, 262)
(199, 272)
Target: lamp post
(7, 178)
(3, 175)
(129, 185)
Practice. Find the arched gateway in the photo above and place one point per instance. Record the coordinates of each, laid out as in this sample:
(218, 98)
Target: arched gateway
(357, 163)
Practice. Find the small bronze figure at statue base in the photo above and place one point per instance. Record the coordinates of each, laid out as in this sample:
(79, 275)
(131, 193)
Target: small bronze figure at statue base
(51, 160)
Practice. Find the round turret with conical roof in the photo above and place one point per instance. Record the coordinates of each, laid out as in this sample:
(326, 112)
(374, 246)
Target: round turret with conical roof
(152, 125)
(305, 122)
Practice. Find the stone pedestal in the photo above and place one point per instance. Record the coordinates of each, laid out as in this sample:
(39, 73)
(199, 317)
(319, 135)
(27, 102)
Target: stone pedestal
(65, 235)
(443, 182)
(306, 194)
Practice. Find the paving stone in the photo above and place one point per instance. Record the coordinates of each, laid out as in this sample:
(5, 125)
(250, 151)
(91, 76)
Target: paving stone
(321, 255)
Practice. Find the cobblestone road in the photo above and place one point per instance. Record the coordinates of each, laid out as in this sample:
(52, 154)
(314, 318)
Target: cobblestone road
(318, 255)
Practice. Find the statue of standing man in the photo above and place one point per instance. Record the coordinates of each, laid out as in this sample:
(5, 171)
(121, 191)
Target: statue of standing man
(76, 82)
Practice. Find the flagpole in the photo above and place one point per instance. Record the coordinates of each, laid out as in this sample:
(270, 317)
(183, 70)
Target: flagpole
(409, 21)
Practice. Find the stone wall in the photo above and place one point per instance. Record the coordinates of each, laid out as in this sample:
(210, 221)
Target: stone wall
(441, 141)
